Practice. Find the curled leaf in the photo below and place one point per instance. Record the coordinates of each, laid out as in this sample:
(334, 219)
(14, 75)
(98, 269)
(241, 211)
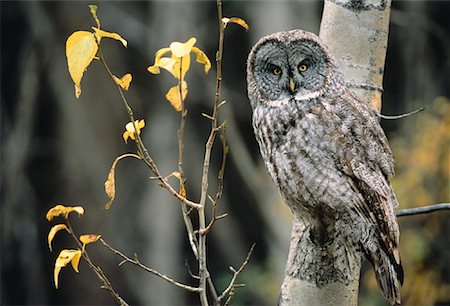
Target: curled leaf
(61, 210)
(110, 184)
(181, 49)
(100, 34)
(176, 174)
(182, 190)
(81, 48)
(53, 232)
(64, 257)
(124, 81)
(173, 96)
(159, 61)
(182, 187)
(86, 239)
(202, 58)
(91, 238)
(179, 62)
(129, 129)
(235, 20)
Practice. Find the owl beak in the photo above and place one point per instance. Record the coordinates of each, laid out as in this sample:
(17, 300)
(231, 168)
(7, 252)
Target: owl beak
(292, 85)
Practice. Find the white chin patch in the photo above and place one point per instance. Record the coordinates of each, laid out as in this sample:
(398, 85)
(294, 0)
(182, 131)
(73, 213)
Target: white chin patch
(300, 96)
(280, 101)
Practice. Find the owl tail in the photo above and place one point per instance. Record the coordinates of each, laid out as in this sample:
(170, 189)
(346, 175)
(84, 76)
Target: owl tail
(388, 272)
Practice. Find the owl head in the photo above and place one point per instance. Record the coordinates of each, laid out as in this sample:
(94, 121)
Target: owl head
(290, 66)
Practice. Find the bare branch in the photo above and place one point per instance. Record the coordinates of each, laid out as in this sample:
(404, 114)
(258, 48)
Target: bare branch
(388, 117)
(422, 210)
(188, 267)
(106, 283)
(136, 262)
(228, 291)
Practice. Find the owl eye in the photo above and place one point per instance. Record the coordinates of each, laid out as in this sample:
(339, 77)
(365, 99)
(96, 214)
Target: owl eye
(276, 70)
(302, 67)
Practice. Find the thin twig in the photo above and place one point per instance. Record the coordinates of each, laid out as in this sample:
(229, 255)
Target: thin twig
(388, 117)
(202, 259)
(188, 267)
(232, 284)
(136, 262)
(422, 210)
(106, 283)
(187, 220)
(142, 150)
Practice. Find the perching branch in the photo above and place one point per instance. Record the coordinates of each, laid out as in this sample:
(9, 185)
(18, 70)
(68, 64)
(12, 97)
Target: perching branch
(422, 210)
(136, 262)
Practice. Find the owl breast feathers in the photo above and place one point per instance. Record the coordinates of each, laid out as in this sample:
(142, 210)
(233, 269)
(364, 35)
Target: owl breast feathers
(325, 150)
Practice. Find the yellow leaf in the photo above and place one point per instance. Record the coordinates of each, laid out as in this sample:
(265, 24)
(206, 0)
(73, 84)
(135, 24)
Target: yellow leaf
(53, 232)
(55, 275)
(100, 34)
(124, 81)
(91, 238)
(158, 57)
(173, 95)
(110, 184)
(129, 129)
(61, 210)
(235, 20)
(81, 48)
(166, 63)
(202, 58)
(185, 62)
(93, 9)
(181, 49)
(86, 239)
(176, 174)
(64, 257)
(76, 260)
(179, 177)
(182, 190)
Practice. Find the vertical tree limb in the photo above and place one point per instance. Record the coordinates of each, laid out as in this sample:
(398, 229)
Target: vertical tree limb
(356, 33)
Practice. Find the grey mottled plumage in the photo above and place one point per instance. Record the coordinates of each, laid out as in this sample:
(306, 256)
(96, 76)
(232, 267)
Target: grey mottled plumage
(326, 151)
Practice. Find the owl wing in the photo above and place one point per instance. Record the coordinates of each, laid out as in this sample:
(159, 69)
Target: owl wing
(369, 164)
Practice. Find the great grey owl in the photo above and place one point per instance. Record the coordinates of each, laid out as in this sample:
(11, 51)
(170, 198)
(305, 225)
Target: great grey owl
(325, 150)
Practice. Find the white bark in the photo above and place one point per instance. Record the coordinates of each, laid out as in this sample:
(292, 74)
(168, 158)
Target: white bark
(307, 264)
(356, 33)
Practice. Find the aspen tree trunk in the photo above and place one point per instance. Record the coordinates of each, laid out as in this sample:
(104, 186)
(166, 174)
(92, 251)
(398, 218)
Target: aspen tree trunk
(356, 33)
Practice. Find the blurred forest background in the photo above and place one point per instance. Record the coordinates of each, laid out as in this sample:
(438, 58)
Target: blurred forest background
(55, 149)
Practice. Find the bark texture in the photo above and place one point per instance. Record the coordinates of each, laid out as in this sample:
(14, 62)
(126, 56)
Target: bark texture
(305, 257)
(356, 32)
